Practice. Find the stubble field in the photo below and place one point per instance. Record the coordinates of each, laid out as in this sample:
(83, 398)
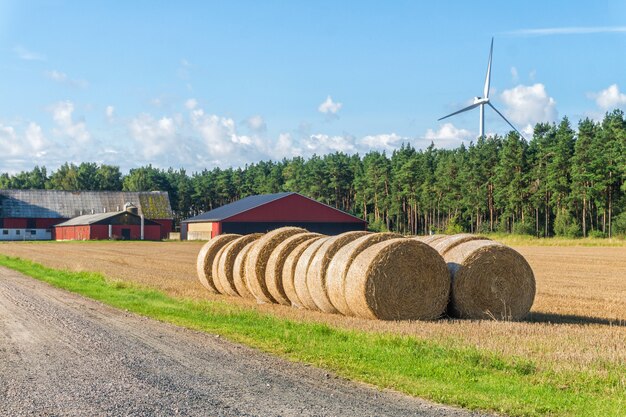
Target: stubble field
(578, 321)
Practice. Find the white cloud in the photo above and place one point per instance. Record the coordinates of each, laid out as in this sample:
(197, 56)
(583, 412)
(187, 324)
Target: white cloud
(9, 141)
(222, 144)
(159, 141)
(609, 98)
(62, 114)
(527, 105)
(285, 147)
(447, 132)
(514, 74)
(154, 137)
(27, 55)
(256, 124)
(383, 142)
(321, 144)
(35, 138)
(109, 112)
(191, 104)
(31, 144)
(575, 30)
(62, 78)
(329, 107)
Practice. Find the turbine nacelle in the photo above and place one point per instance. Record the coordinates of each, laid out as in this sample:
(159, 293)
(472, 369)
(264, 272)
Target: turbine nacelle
(480, 100)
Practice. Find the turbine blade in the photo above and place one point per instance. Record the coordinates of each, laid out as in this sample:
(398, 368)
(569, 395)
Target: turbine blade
(488, 76)
(506, 120)
(460, 111)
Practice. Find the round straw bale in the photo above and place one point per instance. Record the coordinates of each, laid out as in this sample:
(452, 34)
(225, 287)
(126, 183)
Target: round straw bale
(289, 270)
(430, 239)
(258, 256)
(444, 245)
(226, 262)
(215, 268)
(489, 280)
(398, 279)
(276, 262)
(338, 267)
(206, 256)
(239, 271)
(299, 276)
(316, 276)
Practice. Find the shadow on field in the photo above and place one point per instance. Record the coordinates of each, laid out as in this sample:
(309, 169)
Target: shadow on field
(571, 319)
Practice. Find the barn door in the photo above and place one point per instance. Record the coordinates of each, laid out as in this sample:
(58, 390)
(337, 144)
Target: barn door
(126, 234)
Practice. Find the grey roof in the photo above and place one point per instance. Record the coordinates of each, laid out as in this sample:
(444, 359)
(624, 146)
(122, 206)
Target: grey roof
(237, 207)
(69, 204)
(88, 219)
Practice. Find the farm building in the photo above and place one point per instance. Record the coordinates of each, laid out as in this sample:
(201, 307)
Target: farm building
(261, 213)
(31, 214)
(126, 225)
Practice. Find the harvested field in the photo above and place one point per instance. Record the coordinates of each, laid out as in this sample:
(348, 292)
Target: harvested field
(578, 320)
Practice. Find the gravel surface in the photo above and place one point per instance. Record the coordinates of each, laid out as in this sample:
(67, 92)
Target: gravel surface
(62, 354)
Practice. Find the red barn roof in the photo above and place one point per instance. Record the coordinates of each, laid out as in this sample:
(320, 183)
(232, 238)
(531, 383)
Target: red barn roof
(280, 207)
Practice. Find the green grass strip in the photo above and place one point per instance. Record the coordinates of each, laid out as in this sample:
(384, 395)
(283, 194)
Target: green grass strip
(461, 376)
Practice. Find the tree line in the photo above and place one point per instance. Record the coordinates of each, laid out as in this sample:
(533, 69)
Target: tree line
(560, 182)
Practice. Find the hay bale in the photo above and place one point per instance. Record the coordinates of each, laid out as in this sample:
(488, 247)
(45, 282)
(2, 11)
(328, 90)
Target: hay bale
(206, 256)
(239, 271)
(300, 273)
(316, 277)
(430, 239)
(398, 279)
(338, 267)
(276, 262)
(289, 270)
(226, 262)
(259, 254)
(215, 268)
(444, 245)
(489, 281)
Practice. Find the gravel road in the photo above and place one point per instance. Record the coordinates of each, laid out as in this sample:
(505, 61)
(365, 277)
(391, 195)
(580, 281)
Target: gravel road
(62, 354)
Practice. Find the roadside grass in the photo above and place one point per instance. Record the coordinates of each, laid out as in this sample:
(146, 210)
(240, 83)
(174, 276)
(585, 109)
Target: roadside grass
(461, 376)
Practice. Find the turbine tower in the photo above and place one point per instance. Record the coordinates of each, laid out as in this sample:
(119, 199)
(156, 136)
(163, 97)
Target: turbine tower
(482, 101)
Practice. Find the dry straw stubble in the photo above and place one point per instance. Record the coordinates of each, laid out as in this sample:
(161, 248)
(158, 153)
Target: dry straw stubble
(206, 256)
(276, 262)
(489, 281)
(289, 270)
(259, 254)
(299, 277)
(338, 267)
(316, 275)
(398, 279)
(226, 262)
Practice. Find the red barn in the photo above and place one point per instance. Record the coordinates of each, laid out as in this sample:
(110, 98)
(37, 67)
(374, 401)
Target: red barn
(31, 214)
(125, 225)
(262, 213)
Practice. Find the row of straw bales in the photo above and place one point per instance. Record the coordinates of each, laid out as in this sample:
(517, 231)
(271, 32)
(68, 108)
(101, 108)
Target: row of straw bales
(372, 275)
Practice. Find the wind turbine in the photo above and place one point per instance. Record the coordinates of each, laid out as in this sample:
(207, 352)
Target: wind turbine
(481, 101)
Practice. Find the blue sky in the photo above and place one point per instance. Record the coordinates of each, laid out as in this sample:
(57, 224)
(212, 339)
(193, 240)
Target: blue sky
(204, 84)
